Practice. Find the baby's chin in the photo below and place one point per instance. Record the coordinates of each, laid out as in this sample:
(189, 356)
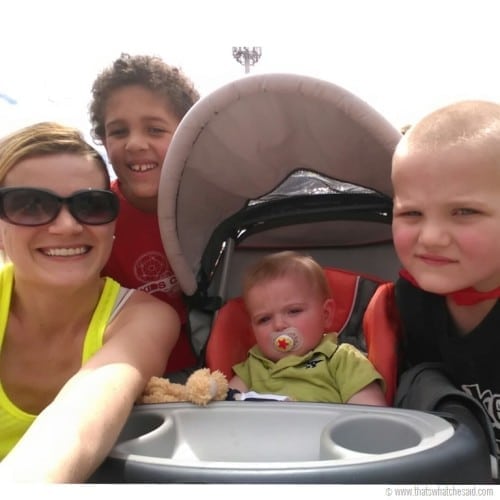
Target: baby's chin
(276, 356)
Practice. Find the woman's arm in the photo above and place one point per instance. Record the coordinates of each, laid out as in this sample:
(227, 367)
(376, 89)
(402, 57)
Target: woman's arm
(74, 434)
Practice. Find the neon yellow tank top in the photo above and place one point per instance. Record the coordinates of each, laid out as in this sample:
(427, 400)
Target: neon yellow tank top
(14, 422)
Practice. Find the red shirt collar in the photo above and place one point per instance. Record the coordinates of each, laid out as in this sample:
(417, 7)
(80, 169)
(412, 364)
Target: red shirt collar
(465, 297)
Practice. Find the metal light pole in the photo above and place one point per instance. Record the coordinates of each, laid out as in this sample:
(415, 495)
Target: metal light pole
(247, 56)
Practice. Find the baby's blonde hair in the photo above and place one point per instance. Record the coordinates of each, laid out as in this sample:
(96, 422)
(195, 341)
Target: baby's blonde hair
(287, 263)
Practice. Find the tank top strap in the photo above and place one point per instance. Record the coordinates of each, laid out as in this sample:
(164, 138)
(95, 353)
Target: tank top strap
(100, 319)
(6, 281)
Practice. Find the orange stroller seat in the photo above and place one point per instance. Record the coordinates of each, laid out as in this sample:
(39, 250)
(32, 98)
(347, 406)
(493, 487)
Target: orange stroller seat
(364, 316)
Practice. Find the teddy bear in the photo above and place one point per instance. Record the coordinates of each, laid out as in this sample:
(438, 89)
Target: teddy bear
(201, 387)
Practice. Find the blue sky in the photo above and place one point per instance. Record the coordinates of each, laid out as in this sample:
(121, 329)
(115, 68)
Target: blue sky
(404, 57)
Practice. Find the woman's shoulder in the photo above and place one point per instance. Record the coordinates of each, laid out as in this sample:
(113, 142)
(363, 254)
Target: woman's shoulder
(138, 299)
(144, 316)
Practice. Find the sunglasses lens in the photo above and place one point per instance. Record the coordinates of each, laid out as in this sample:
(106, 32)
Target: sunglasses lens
(36, 207)
(29, 207)
(94, 207)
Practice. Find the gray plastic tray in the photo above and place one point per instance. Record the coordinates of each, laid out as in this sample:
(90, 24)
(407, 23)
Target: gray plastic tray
(289, 442)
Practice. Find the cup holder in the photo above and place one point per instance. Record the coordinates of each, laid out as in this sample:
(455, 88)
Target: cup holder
(140, 424)
(370, 435)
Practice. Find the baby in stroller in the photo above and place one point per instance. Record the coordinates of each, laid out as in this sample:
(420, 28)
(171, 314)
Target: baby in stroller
(290, 307)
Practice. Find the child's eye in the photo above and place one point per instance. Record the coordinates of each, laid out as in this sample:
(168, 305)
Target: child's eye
(117, 132)
(295, 310)
(407, 213)
(263, 320)
(465, 211)
(156, 130)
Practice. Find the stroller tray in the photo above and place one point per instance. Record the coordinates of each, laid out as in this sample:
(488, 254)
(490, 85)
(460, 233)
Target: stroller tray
(289, 442)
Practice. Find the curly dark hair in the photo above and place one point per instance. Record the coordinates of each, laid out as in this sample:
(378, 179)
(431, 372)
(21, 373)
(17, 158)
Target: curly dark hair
(149, 71)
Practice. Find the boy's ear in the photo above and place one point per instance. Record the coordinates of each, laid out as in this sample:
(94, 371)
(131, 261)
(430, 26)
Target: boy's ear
(328, 312)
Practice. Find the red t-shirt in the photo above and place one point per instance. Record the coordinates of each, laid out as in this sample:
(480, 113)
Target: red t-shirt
(138, 261)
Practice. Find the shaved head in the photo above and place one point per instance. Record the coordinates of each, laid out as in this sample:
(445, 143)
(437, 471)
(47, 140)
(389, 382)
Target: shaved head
(462, 123)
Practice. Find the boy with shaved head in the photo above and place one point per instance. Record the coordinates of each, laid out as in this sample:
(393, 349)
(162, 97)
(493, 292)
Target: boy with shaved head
(446, 229)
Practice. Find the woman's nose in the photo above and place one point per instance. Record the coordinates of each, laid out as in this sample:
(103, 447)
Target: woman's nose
(65, 222)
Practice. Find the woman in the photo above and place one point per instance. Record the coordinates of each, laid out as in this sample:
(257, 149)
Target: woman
(76, 350)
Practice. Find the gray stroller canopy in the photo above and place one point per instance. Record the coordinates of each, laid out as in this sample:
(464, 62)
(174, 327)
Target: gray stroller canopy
(243, 140)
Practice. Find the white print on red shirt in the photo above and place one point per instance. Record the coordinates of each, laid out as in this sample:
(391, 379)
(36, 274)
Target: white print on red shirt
(153, 270)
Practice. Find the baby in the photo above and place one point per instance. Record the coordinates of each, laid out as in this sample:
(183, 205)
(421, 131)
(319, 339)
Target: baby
(291, 310)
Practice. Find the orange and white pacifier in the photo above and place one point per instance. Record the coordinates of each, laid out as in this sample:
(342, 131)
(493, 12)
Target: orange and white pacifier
(286, 340)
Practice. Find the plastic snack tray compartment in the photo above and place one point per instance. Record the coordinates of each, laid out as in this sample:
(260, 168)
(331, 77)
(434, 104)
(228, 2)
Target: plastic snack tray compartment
(290, 442)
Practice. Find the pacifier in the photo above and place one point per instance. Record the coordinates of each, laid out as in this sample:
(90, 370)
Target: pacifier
(286, 340)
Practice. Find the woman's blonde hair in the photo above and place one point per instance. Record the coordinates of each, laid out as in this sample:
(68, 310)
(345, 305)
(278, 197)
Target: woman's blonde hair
(46, 138)
(287, 263)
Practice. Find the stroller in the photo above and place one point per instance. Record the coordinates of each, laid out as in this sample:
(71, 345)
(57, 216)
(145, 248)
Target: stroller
(267, 163)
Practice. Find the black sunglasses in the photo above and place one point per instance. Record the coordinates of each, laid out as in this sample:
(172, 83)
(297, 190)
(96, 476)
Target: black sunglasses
(36, 207)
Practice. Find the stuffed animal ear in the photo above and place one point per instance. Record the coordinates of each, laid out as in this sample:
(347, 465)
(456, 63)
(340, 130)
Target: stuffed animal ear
(203, 386)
